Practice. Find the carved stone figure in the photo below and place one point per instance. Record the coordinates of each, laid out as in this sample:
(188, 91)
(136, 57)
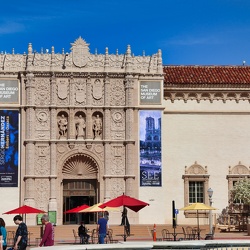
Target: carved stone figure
(97, 127)
(63, 126)
(80, 127)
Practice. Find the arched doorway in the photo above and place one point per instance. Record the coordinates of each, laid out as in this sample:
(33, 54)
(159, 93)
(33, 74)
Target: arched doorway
(80, 186)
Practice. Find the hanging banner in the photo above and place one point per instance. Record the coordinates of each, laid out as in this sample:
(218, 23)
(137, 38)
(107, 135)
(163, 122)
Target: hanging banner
(150, 148)
(8, 148)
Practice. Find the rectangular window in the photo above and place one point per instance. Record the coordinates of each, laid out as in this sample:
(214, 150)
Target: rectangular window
(196, 191)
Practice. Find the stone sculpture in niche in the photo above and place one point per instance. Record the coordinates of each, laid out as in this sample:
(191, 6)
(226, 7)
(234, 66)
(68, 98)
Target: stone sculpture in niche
(63, 126)
(80, 127)
(97, 127)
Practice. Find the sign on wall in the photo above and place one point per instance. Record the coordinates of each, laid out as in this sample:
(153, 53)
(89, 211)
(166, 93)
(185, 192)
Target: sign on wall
(150, 93)
(9, 91)
(8, 148)
(150, 148)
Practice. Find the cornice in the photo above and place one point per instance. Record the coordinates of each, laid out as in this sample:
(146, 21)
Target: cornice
(207, 95)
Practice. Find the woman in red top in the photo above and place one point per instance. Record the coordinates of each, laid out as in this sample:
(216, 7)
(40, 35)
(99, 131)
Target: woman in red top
(48, 235)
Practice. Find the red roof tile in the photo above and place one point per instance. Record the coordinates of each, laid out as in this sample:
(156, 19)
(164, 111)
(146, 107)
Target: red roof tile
(207, 74)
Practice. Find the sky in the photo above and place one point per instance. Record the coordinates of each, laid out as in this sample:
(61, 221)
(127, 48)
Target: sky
(189, 32)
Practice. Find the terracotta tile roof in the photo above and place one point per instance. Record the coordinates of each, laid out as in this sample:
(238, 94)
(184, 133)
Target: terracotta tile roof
(206, 74)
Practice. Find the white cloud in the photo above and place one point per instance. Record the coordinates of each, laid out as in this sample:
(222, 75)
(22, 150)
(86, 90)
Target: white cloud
(10, 28)
(189, 41)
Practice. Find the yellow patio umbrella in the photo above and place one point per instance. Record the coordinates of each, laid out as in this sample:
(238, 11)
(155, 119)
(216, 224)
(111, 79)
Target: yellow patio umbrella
(198, 206)
(96, 208)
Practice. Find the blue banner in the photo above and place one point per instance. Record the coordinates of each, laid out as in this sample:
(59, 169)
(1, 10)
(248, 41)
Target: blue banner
(150, 148)
(9, 148)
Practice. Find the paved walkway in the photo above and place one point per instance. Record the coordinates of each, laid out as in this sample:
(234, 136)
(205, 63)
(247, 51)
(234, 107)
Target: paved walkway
(222, 241)
(149, 245)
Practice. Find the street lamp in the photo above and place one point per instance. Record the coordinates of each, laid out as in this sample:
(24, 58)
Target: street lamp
(210, 194)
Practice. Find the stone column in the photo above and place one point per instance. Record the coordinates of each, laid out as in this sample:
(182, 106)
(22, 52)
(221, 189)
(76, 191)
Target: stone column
(89, 132)
(88, 91)
(53, 137)
(53, 178)
(130, 148)
(30, 147)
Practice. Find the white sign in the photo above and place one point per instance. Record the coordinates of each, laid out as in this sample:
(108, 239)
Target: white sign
(150, 93)
(9, 91)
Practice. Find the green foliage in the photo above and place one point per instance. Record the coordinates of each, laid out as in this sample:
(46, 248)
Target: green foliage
(241, 191)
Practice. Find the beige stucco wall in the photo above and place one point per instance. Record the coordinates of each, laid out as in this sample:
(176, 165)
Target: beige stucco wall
(215, 135)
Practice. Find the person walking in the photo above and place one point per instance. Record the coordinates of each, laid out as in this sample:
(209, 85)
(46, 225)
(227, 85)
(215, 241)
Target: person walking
(3, 233)
(21, 236)
(102, 228)
(48, 236)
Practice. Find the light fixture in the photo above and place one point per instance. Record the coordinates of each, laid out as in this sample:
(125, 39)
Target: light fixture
(210, 192)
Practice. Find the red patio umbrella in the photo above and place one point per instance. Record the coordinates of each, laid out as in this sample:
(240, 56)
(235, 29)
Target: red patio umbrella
(126, 201)
(76, 209)
(25, 210)
(129, 202)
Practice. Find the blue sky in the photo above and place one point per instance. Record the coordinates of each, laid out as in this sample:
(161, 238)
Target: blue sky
(189, 32)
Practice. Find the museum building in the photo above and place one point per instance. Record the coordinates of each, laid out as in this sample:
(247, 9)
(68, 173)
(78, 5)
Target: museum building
(80, 128)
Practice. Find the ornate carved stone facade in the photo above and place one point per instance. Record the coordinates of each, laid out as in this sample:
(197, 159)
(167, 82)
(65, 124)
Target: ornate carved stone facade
(78, 113)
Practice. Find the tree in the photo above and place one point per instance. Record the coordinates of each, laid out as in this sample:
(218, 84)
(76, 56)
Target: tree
(241, 191)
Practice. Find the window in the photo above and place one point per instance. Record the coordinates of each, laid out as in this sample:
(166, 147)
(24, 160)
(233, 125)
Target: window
(196, 183)
(196, 191)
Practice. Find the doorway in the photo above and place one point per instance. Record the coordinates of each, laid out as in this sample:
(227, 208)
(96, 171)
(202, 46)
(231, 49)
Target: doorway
(77, 193)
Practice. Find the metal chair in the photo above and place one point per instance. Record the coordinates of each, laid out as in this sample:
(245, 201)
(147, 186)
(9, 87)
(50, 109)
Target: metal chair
(109, 238)
(166, 235)
(77, 238)
(191, 232)
(94, 237)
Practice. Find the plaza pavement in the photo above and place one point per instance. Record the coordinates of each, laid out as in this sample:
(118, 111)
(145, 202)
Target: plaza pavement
(233, 240)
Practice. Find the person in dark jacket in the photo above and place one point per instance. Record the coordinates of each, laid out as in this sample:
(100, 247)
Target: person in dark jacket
(21, 237)
(82, 233)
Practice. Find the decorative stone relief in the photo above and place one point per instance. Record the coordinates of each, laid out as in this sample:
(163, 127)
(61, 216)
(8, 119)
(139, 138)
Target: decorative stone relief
(43, 60)
(115, 61)
(117, 187)
(117, 125)
(61, 148)
(80, 50)
(204, 95)
(42, 134)
(43, 119)
(97, 93)
(97, 127)
(196, 169)
(117, 160)
(117, 92)
(62, 91)
(239, 170)
(80, 166)
(80, 92)
(62, 122)
(42, 92)
(98, 148)
(42, 166)
(80, 127)
(42, 187)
